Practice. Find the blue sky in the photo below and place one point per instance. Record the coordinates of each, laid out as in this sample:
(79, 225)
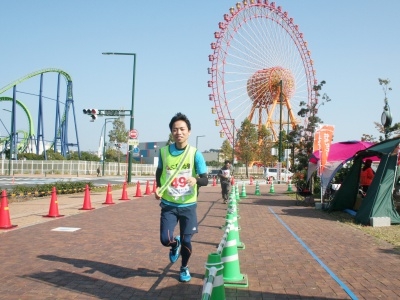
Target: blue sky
(352, 44)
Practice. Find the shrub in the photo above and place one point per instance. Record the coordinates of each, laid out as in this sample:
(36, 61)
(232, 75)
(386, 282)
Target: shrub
(62, 187)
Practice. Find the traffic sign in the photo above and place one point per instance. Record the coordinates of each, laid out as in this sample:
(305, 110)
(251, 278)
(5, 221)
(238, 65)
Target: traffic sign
(114, 112)
(135, 152)
(133, 142)
(133, 134)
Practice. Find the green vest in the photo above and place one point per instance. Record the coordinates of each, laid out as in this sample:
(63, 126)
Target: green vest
(178, 191)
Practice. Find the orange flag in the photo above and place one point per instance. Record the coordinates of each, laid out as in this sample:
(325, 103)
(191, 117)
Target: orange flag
(322, 142)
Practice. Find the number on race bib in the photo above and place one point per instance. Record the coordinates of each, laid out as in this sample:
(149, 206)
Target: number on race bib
(179, 182)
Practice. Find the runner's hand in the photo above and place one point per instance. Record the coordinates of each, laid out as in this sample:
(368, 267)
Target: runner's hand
(191, 181)
(157, 194)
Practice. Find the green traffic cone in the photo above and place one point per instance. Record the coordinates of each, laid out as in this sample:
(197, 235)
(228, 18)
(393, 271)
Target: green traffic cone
(232, 195)
(237, 192)
(236, 227)
(289, 187)
(232, 207)
(230, 259)
(257, 193)
(243, 193)
(272, 188)
(213, 287)
(232, 199)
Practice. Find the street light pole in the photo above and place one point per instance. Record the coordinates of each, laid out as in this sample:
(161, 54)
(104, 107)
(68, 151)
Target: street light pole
(131, 125)
(197, 139)
(233, 142)
(280, 131)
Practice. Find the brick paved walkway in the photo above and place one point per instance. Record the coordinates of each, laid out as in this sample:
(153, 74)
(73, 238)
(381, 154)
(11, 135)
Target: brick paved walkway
(291, 252)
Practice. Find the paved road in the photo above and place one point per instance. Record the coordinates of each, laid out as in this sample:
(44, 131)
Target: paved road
(113, 251)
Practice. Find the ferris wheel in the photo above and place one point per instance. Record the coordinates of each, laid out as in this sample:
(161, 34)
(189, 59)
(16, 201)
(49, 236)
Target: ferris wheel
(261, 69)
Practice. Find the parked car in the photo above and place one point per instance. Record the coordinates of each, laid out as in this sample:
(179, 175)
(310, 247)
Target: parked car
(272, 173)
(212, 174)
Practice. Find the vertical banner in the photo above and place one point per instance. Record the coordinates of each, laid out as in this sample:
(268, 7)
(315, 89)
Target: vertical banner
(322, 142)
(317, 141)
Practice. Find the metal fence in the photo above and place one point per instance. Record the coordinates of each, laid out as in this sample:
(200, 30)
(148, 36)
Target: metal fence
(71, 167)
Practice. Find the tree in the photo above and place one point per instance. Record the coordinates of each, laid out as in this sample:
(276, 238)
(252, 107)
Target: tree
(112, 155)
(118, 135)
(87, 156)
(51, 155)
(389, 130)
(246, 147)
(265, 146)
(226, 150)
(369, 137)
(302, 136)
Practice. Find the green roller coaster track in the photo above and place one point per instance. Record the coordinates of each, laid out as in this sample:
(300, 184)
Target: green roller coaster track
(27, 135)
(33, 74)
(24, 143)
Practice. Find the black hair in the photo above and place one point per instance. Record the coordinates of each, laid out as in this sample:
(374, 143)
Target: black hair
(367, 164)
(227, 162)
(179, 117)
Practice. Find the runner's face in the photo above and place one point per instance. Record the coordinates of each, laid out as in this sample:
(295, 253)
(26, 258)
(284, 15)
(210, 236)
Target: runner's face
(180, 132)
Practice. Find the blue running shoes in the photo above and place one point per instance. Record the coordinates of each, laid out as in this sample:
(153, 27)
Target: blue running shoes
(184, 275)
(174, 253)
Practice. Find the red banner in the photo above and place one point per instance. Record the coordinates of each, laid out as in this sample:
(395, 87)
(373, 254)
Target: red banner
(322, 142)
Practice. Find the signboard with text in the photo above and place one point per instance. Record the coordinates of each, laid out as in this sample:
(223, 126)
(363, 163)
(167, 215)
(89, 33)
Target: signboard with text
(133, 142)
(114, 112)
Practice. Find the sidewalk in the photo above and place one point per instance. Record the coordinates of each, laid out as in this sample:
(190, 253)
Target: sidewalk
(30, 212)
(291, 252)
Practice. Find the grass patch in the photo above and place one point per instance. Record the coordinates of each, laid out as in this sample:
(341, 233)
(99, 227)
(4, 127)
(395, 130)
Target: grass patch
(390, 234)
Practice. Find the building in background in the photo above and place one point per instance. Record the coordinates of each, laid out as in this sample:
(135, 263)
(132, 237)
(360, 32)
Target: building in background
(211, 156)
(148, 152)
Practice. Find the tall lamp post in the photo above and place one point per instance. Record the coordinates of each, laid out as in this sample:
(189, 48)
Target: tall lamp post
(131, 127)
(197, 139)
(106, 120)
(386, 118)
(280, 131)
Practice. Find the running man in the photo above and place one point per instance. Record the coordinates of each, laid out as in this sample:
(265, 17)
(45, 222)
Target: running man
(181, 169)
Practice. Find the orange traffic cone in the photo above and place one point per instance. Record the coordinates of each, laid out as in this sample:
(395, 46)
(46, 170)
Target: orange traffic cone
(251, 181)
(109, 199)
(233, 180)
(87, 204)
(214, 181)
(124, 193)
(138, 191)
(154, 187)
(5, 222)
(53, 210)
(147, 192)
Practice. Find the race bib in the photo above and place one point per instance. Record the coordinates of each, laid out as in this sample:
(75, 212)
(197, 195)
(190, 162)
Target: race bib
(226, 173)
(179, 187)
